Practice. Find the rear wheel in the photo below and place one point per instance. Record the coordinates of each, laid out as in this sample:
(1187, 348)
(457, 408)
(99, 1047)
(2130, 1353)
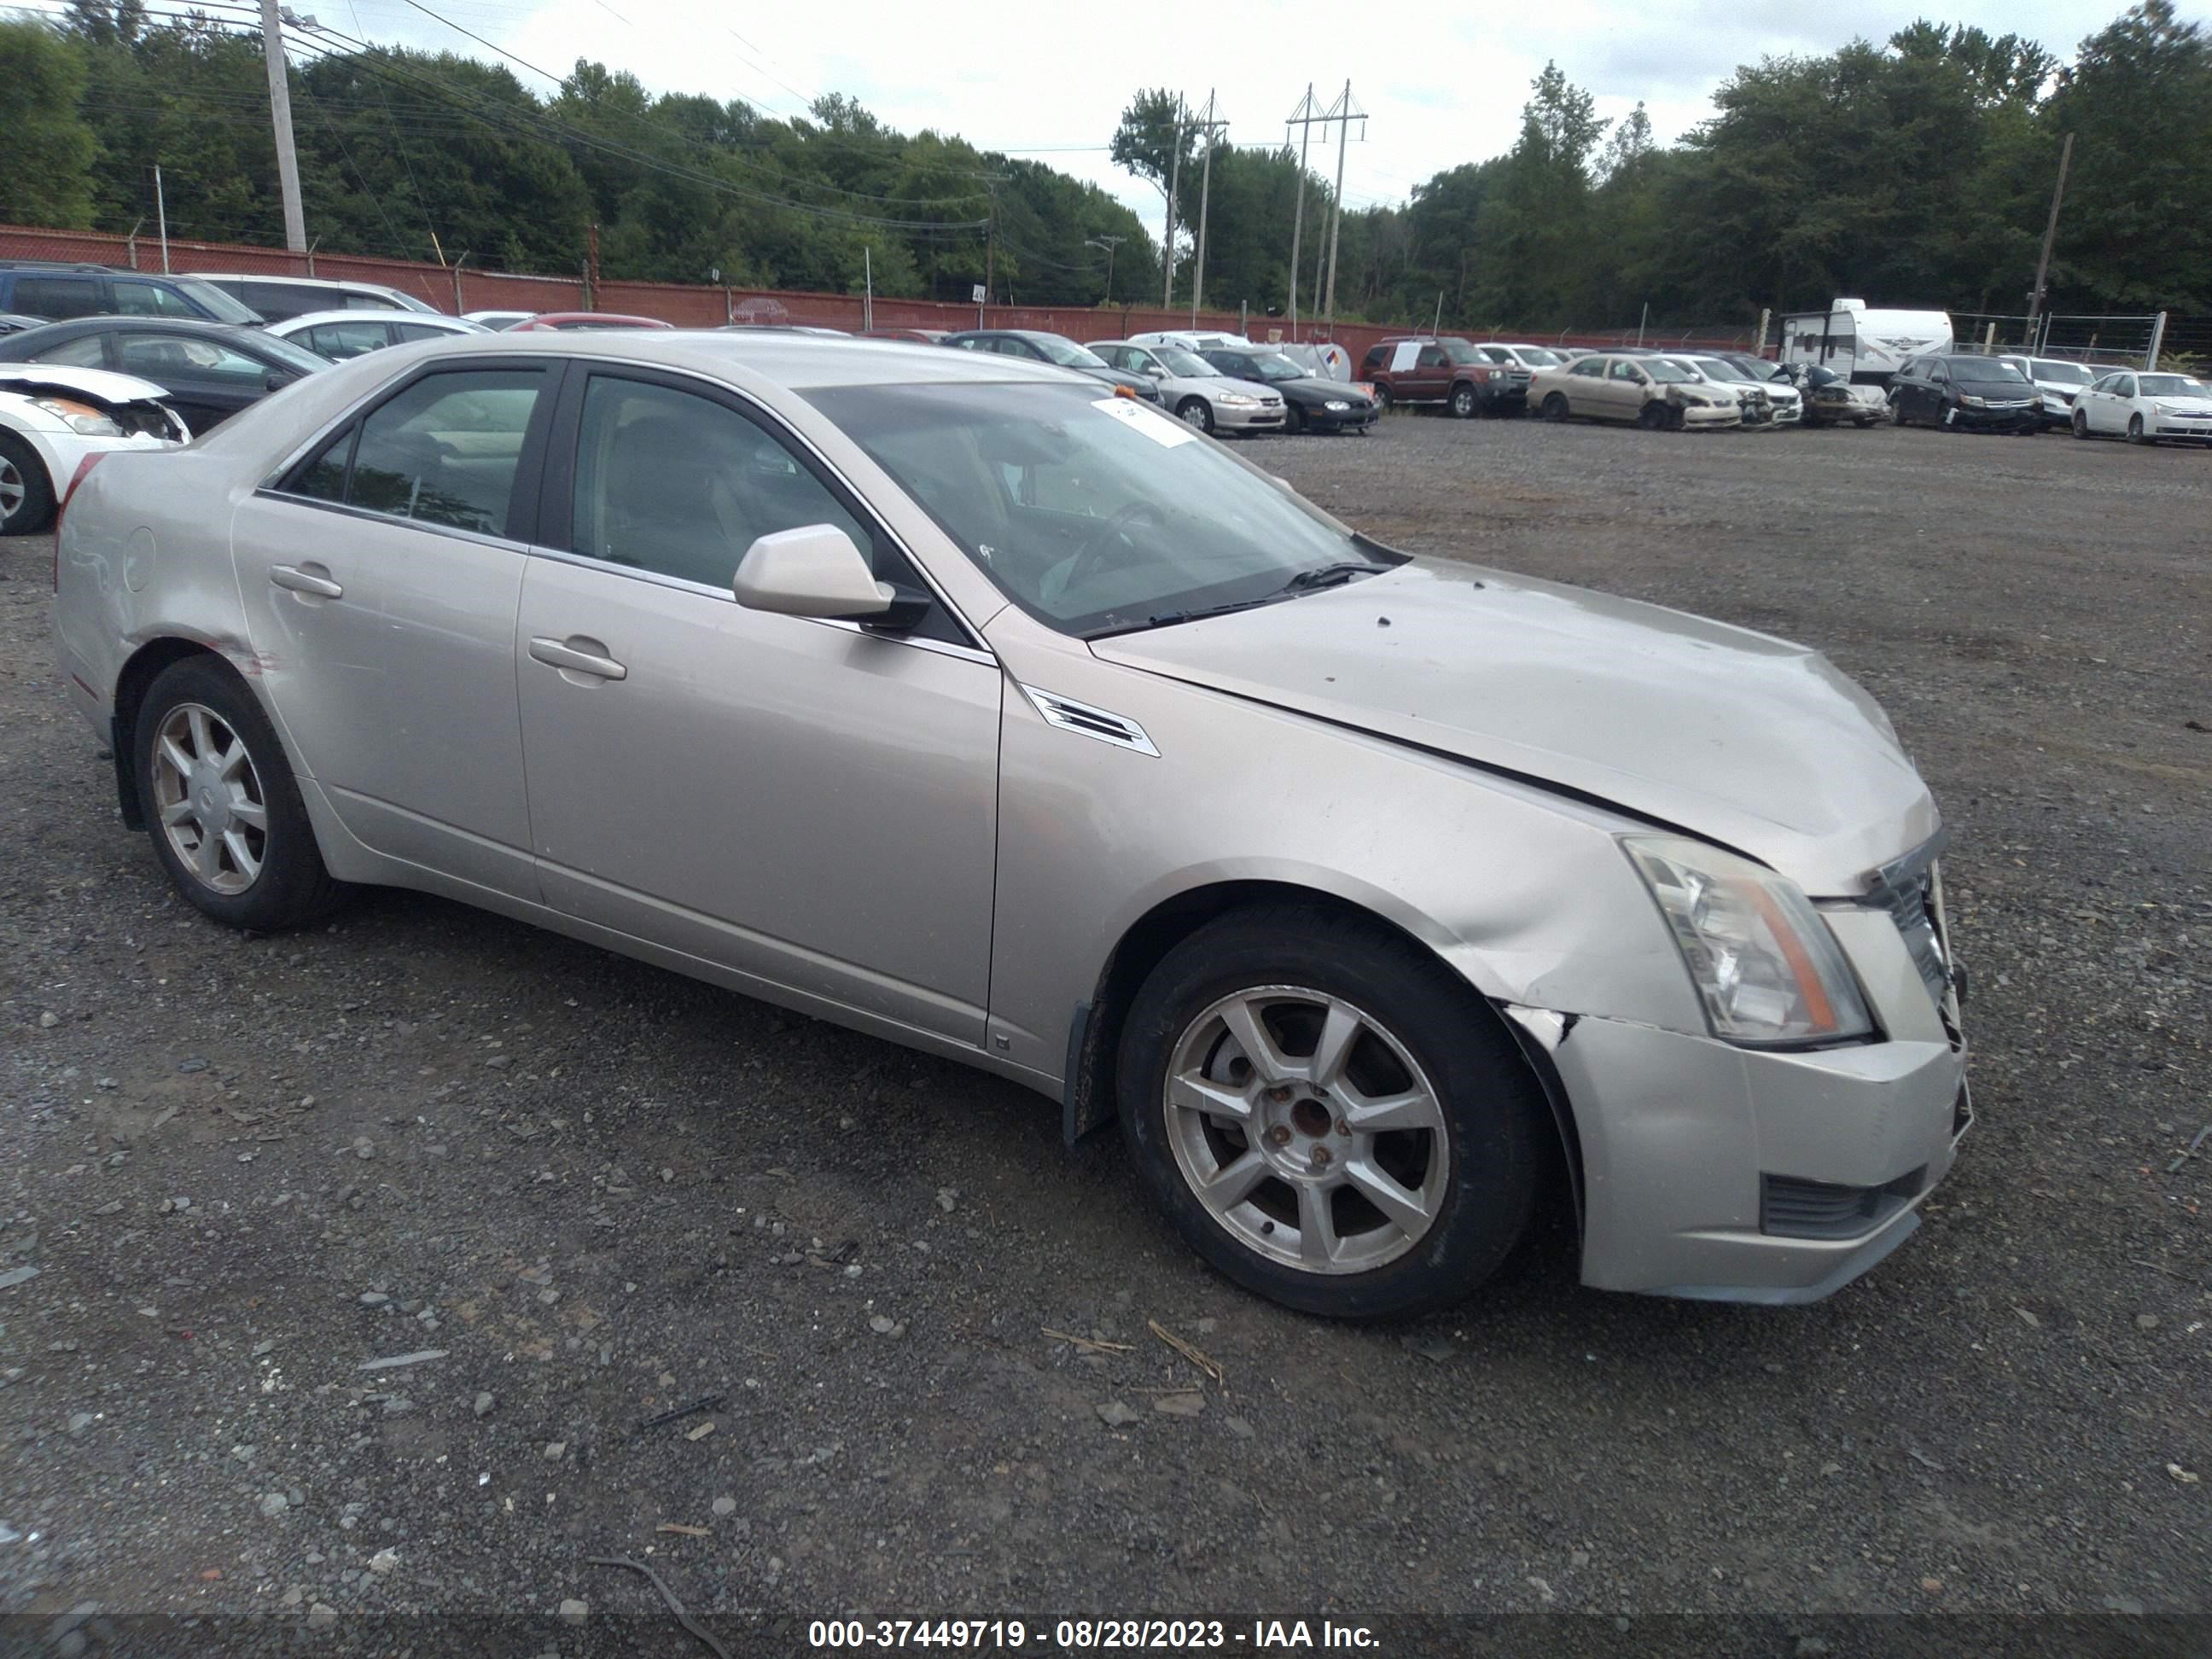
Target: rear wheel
(1555, 406)
(1328, 1116)
(1196, 411)
(1461, 402)
(225, 815)
(27, 494)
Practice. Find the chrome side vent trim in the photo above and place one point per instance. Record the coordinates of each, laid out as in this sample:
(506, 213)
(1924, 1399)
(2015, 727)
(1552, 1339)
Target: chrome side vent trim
(1102, 723)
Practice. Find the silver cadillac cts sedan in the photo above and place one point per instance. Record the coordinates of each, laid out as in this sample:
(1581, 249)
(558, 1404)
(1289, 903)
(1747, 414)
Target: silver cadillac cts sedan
(1383, 900)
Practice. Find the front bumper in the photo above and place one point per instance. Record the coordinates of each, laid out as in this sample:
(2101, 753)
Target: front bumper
(2172, 427)
(1694, 416)
(1740, 1175)
(2026, 418)
(1325, 419)
(1264, 419)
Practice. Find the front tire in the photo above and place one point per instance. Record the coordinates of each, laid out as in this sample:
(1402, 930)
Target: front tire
(1383, 403)
(1197, 412)
(1294, 419)
(1463, 401)
(2081, 423)
(2135, 430)
(1555, 408)
(1653, 417)
(27, 494)
(222, 805)
(1328, 1115)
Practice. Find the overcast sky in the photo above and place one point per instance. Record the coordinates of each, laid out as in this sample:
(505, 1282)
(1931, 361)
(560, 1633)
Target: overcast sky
(1441, 83)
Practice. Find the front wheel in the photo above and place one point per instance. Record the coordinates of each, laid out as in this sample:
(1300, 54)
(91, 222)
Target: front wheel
(2135, 430)
(1653, 417)
(1463, 401)
(1897, 411)
(1294, 419)
(1328, 1115)
(2081, 423)
(1196, 411)
(1382, 400)
(27, 494)
(1555, 407)
(225, 815)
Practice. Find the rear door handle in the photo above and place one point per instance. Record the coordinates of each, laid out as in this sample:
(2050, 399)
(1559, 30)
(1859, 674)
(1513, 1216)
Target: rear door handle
(578, 655)
(311, 578)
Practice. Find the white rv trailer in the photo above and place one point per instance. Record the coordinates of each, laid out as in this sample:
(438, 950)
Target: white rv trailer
(1865, 347)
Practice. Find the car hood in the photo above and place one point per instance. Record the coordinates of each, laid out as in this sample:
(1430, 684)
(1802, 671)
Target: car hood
(1749, 740)
(103, 383)
(1313, 385)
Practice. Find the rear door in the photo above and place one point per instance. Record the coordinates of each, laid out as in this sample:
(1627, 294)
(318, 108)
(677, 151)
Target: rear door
(381, 575)
(58, 297)
(134, 296)
(208, 381)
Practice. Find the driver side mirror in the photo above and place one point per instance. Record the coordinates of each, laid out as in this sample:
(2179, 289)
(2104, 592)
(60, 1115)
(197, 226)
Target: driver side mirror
(276, 380)
(1153, 371)
(817, 571)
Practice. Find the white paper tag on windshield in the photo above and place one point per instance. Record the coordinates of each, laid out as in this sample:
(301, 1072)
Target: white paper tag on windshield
(1160, 429)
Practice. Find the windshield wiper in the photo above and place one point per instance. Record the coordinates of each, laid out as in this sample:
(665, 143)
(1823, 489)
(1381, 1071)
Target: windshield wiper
(1330, 576)
(1169, 618)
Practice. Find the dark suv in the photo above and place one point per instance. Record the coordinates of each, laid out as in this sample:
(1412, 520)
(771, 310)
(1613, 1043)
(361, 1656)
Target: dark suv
(1416, 368)
(58, 293)
(1963, 393)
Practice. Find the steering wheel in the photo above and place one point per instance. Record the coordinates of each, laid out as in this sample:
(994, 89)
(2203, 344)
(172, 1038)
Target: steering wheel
(1117, 527)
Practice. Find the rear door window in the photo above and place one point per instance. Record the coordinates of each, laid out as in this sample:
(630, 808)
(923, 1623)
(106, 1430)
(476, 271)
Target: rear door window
(86, 351)
(443, 451)
(57, 298)
(339, 341)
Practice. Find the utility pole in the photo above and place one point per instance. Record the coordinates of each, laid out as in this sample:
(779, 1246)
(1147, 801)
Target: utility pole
(1110, 243)
(1167, 238)
(280, 116)
(161, 217)
(1205, 192)
(1345, 112)
(992, 180)
(2049, 236)
(1303, 117)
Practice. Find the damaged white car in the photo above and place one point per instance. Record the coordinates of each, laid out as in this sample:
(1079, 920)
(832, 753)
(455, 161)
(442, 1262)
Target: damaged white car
(53, 419)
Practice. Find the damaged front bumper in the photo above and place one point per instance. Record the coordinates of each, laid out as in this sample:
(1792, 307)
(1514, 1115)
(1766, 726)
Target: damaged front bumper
(1729, 1173)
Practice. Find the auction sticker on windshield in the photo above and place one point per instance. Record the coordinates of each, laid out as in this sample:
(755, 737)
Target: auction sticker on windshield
(1158, 428)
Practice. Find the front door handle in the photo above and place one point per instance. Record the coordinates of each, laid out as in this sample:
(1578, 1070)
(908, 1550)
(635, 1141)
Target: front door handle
(309, 579)
(578, 655)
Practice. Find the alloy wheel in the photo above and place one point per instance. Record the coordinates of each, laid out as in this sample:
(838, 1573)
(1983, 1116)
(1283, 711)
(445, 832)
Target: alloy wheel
(208, 800)
(13, 490)
(1307, 1130)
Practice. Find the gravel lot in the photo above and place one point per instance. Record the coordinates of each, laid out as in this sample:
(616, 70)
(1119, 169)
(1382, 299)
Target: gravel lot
(243, 1167)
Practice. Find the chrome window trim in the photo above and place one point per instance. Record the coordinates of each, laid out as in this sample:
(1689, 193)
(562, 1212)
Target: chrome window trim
(369, 516)
(386, 390)
(684, 585)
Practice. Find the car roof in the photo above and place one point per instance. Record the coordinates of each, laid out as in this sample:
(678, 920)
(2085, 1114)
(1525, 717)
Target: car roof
(312, 319)
(296, 282)
(798, 362)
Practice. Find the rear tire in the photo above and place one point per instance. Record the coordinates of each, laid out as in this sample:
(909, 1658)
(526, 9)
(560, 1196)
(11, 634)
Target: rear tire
(1555, 407)
(221, 807)
(27, 494)
(1456, 1159)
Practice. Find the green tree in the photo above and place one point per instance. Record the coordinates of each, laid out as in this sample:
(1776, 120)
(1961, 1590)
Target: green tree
(46, 179)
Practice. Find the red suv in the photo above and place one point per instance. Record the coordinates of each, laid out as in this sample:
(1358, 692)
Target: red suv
(1421, 368)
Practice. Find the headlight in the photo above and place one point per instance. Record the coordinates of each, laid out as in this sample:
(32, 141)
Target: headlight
(1337, 404)
(1237, 400)
(80, 418)
(1766, 966)
(1969, 401)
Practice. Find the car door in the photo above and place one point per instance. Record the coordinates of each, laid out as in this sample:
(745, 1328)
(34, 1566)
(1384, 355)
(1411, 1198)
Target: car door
(1622, 394)
(381, 575)
(207, 381)
(134, 296)
(800, 802)
(1583, 386)
(2120, 406)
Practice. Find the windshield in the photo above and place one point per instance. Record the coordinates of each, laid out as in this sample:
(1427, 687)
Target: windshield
(1982, 371)
(2061, 373)
(1539, 356)
(222, 307)
(1461, 352)
(1714, 369)
(1663, 371)
(1187, 364)
(1066, 353)
(2170, 385)
(1276, 367)
(1094, 514)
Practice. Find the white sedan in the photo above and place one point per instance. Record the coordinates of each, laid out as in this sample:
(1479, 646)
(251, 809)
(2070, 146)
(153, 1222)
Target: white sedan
(54, 418)
(2145, 408)
(338, 334)
(1200, 394)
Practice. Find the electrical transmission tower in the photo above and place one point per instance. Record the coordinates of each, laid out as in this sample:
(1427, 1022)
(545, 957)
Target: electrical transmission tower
(1306, 117)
